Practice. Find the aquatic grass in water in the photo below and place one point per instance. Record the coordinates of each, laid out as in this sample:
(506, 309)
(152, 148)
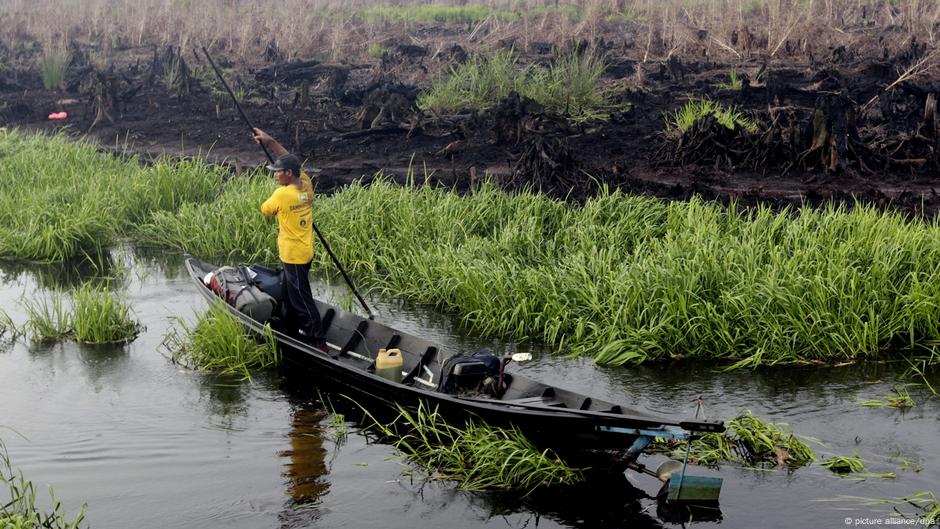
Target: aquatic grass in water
(621, 278)
(476, 456)
(100, 316)
(20, 510)
(218, 342)
(901, 400)
(844, 464)
(47, 319)
(747, 440)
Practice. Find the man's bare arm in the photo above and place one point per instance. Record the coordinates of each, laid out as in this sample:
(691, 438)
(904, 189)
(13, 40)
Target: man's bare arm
(262, 137)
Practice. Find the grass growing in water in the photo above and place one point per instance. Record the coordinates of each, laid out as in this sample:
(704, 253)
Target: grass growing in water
(697, 109)
(95, 315)
(901, 400)
(219, 343)
(621, 278)
(476, 456)
(569, 87)
(844, 464)
(48, 319)
(747, 440)
(100, 316)
(19, 509)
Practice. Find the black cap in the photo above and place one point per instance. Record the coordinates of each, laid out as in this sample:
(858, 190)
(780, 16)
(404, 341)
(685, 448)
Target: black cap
(288, 161)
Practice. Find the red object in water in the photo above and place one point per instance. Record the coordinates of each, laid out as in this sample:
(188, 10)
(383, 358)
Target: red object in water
(58, 115)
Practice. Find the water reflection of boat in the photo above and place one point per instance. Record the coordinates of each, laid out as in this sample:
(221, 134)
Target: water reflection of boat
(606, 499)
(566, 421)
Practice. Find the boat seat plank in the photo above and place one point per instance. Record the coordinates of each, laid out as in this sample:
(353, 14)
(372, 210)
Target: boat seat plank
(541, 401)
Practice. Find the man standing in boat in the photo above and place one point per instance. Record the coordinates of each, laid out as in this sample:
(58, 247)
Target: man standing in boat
(292, 204)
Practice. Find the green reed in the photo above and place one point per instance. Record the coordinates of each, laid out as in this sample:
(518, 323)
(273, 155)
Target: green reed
(20, 510)
(568, 87)
(476, 456)
(844, 464)
(48, 319)
(63, 199)
(219, 343)
(229, 225)
(621, 278)
(901, 400)
(747, 440)
(53, 64)
(101, 316)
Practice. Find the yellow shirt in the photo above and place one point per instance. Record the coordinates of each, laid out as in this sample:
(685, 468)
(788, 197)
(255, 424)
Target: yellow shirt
(294, 211)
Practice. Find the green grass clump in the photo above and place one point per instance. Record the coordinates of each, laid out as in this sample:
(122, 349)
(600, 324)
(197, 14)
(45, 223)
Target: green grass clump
(901, 400)
(375, 50)
(750, 440)
(229, 225)
(219, 343)
(734, 82)
(20, 511)
(100, 316)
(476, 456)
(844, 464)
(569, 87)
(48, 319)
(66, 200)
(53, 64)
(95, 315)
(435, 14)
(747, 440)
(621, 278)
(697, 109)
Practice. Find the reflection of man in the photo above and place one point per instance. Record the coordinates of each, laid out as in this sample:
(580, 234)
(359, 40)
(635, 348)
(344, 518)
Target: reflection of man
(292, 204)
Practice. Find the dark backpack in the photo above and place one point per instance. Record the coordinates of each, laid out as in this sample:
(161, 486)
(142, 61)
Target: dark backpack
(232, 285)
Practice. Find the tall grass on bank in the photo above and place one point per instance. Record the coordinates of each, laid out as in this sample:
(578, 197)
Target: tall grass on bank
(228, 226)
(476, 456)
(61, 199)
(627, 279)
(19, 509)
(218, 343)
(569, 87)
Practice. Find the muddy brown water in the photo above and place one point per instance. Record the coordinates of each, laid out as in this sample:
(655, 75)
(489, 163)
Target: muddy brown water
(146, 443)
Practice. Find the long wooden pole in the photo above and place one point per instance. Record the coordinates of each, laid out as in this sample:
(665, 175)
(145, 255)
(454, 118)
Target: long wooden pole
(267, 153)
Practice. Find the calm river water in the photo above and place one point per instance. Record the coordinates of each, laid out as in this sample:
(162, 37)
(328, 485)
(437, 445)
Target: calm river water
(146, 443)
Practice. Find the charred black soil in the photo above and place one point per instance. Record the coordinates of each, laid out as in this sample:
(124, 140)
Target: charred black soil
(847, 124)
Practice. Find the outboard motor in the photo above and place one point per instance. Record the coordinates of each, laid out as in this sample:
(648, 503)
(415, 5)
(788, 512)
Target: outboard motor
(480, 372)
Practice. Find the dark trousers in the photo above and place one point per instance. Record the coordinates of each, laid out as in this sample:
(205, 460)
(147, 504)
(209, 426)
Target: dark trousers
(302, 314)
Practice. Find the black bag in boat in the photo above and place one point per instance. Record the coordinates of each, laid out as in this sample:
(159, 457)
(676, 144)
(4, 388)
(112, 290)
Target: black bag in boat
(269, 280)
(465, 372)
(234, 285)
